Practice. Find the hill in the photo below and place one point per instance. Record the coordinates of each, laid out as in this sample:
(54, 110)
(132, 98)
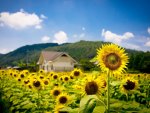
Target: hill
(28, 53)
(82, 51)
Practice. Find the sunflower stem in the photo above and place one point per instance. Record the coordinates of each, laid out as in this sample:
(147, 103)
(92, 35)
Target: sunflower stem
(38, 102)
(108, 92)
(127, 95)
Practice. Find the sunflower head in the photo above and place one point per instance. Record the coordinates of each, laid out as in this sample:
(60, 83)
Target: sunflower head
(76, 73)
(63, 99)
(129, 85)
(55, 76)
(66, 78)
(112, 58)
(56, 91)
(46, 82)
(91, 86)
(41, 71)
(37, 84)
(58, 108)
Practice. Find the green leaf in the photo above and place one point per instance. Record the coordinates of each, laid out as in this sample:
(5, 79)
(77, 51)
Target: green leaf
(115, 83)
(25, 102)
(88, 104)
(16, 102)
(70, 110)
(99, 109)
(28, 106)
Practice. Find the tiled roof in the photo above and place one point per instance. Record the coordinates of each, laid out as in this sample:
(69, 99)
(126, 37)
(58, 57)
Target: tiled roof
(51, 55)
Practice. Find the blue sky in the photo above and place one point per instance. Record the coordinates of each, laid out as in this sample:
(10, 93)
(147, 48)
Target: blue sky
(25, 22)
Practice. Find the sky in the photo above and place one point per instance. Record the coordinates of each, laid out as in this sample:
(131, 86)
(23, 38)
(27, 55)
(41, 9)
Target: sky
(26, 22)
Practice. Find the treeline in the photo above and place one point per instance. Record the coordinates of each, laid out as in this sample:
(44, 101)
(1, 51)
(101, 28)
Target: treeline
(140, 61)
(82, 51)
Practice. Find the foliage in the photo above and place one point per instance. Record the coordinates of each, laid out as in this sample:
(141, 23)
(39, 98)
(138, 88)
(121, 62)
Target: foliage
(16, 97)
(80, 51)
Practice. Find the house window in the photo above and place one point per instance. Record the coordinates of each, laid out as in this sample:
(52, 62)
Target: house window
(51, 67)
(47, 67)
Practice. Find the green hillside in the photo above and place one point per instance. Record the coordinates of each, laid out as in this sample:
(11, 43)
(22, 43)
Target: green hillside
(82, 51)
(79, 50)
(28, 53)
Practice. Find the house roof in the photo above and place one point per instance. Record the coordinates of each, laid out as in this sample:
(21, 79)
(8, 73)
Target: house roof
(51, 55)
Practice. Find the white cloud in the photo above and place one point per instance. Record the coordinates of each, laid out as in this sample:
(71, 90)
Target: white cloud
(38, 27)
(148, 30)
(115, 38)
(4, 50)
(45, 39)
(1, 24)
(75, 35)
(131, 46)
(60, 37)
(147, 44)
(43, 16)
(81, 35)
(20, 20)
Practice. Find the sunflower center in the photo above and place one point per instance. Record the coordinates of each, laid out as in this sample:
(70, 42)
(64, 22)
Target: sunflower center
(26, 81)
(129, 85)
(41, 77)
(46, 82)
(36, 83)
(91, 88)
(76, 73)
(63, 112)
(66, 78)
(71, 77)
(112, 61)
(55, 76)
(56, 92)
(30, 86)
(56, 84)
(63, 100)
(22, 75)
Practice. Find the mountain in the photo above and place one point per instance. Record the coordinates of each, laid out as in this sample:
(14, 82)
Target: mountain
(1, 54)
(82, 51)
(28, 53)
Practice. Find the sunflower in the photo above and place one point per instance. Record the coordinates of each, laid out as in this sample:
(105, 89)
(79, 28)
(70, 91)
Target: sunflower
(15, 75)
(37, 84)
(55, 76)
(103, 82)
(25, 72)
(46, 81)
(76, 73)
(56, 91)
(66, 78)
(112, 58)
(41, 71)
(22, 75)
(58, 108)
(27, 81)
(128, 85)
(63, 99)
(91, 86)
(41, 77)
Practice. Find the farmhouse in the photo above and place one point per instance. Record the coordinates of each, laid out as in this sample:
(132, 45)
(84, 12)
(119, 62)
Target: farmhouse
(56, 61)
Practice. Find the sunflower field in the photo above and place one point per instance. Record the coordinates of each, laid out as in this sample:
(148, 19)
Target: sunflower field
(110, 90)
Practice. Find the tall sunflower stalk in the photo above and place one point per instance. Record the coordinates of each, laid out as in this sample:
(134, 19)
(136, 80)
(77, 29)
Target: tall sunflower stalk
(112, 60)
(108, 91)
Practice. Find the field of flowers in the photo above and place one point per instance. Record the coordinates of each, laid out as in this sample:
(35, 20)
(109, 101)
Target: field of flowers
(77, 92)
